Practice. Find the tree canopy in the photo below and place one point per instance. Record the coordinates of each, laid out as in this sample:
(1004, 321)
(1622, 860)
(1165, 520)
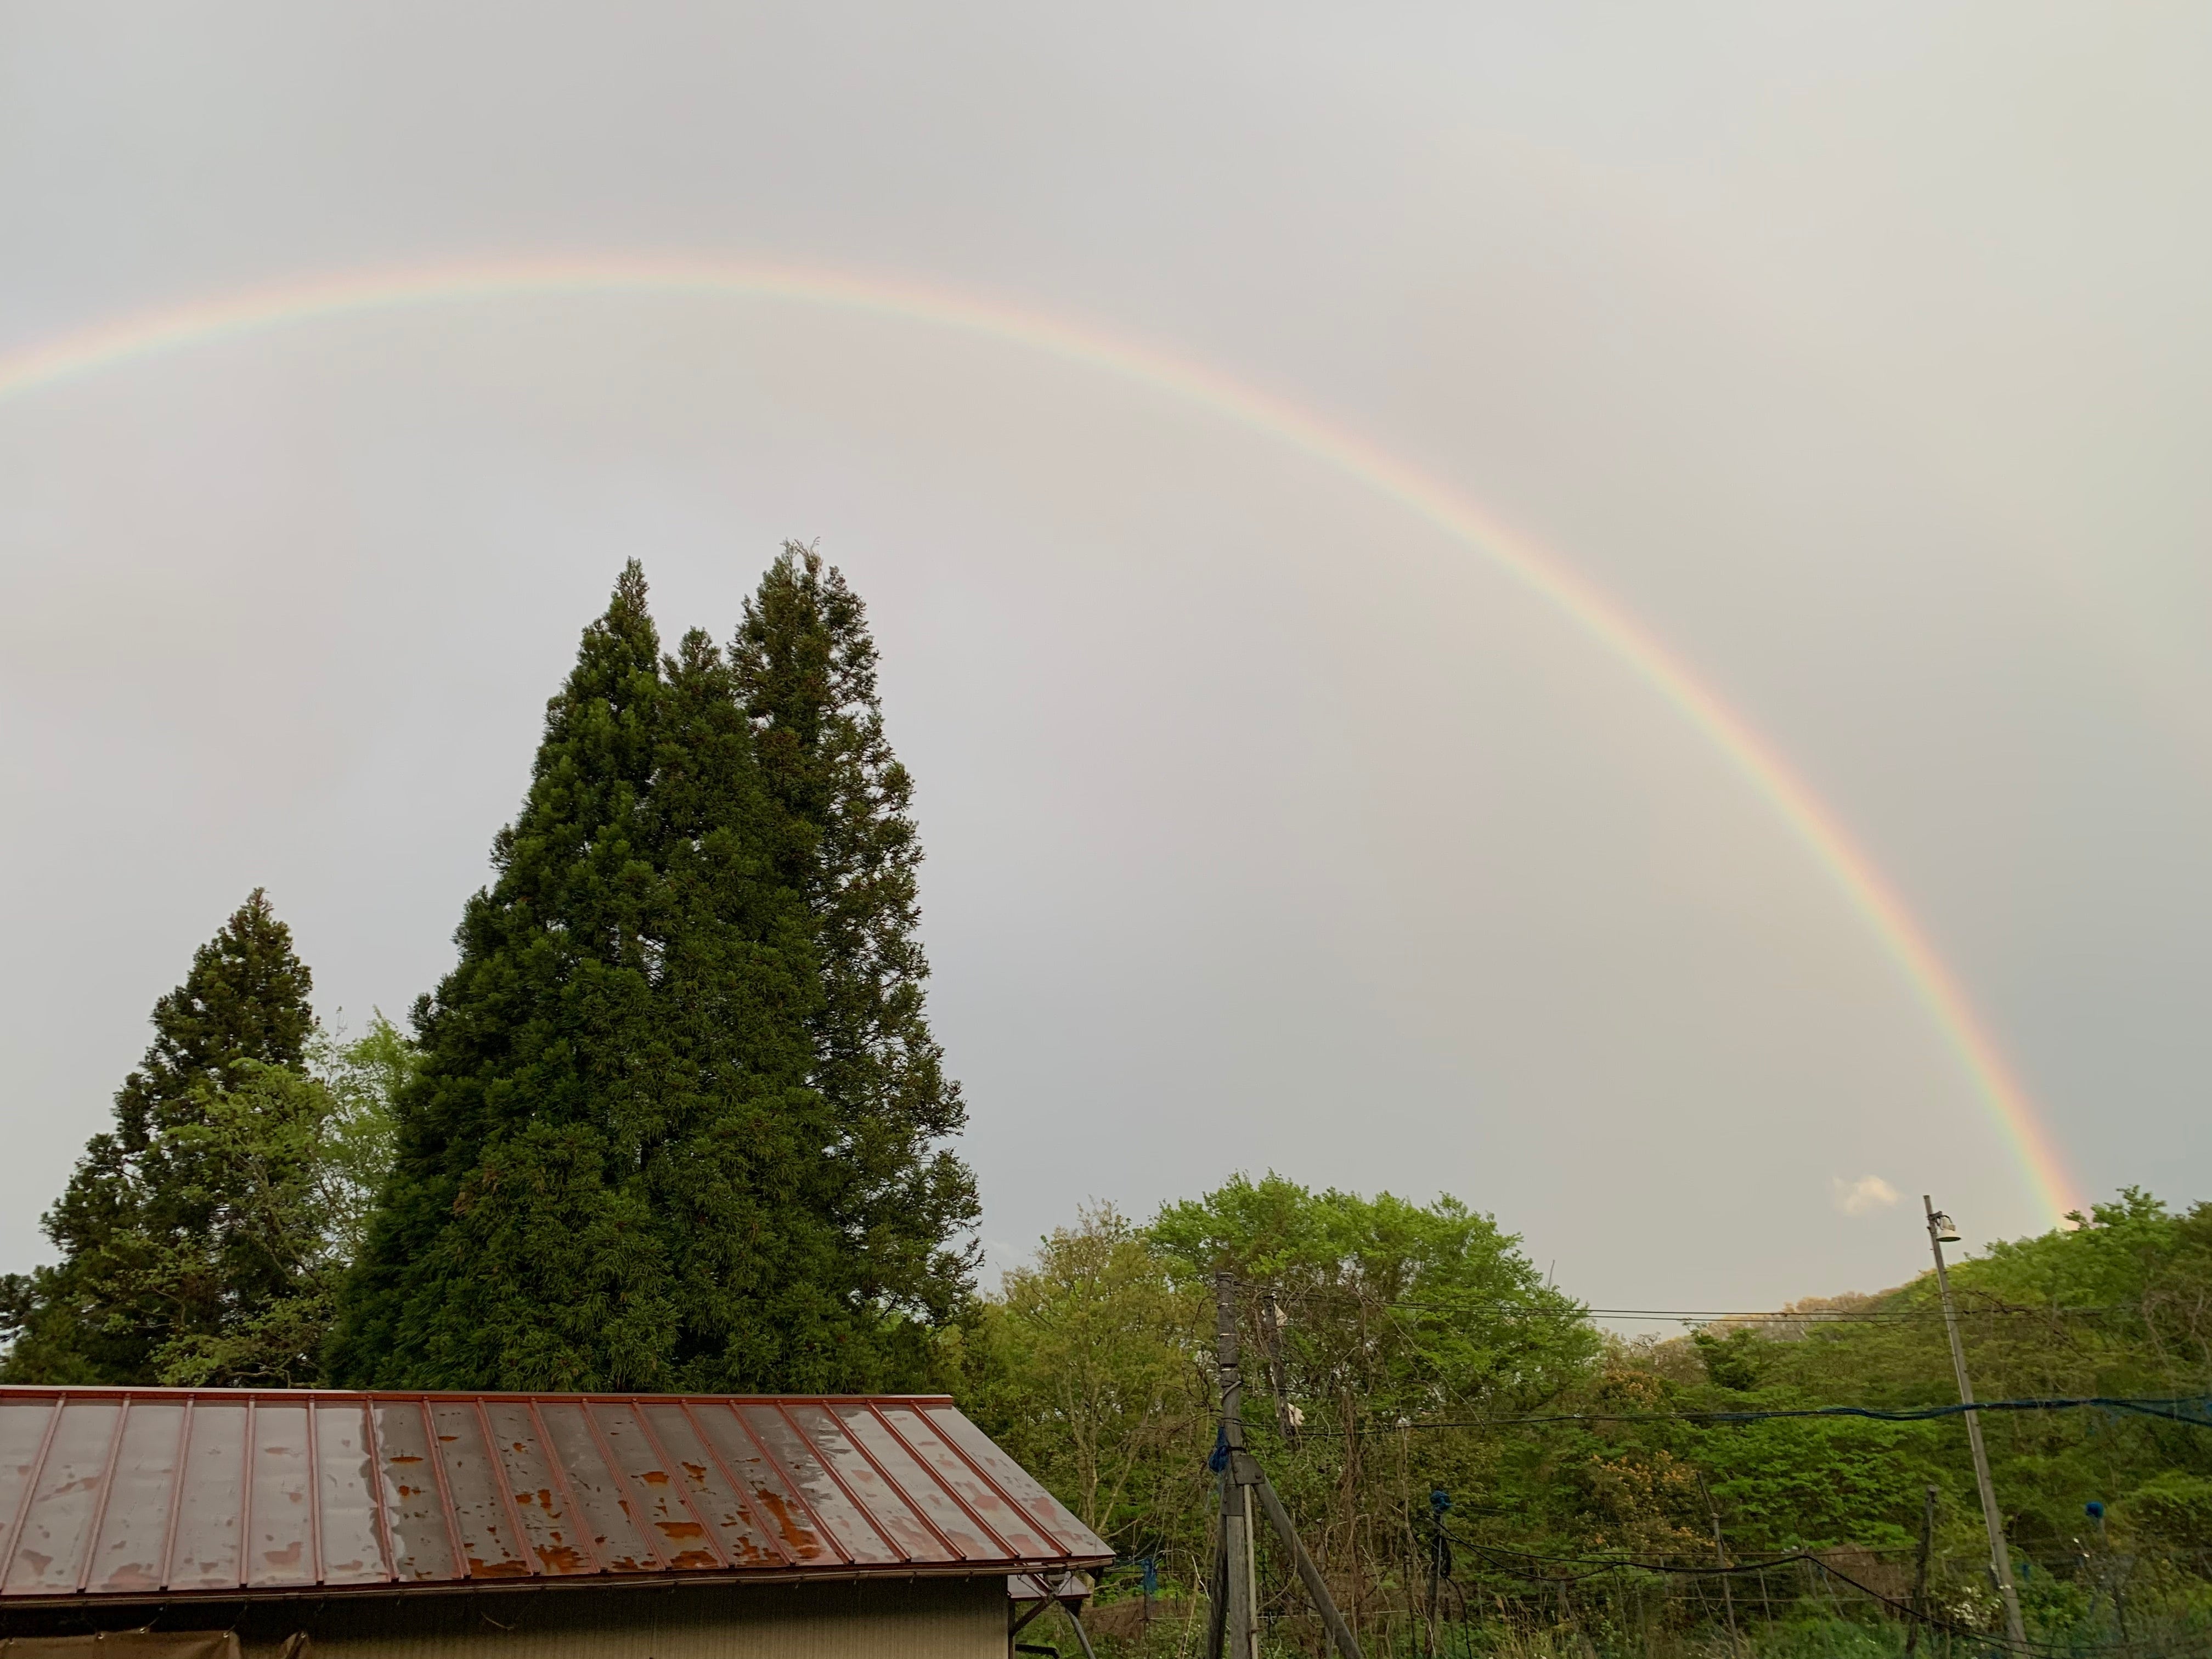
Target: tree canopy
(805, 665)
(1460, 1443)
(202, 1237)
(677, 1119)
(615, 1168)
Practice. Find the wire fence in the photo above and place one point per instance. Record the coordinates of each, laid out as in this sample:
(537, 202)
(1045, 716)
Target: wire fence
(1462, 1582)
(1459, 1597)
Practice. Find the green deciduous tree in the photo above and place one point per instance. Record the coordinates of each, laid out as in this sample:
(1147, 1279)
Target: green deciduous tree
(202, 1237)
(610, 1168)
(1094, 1376)
(1414, 1309)
(1097, 1362)
(2137, 1279)
(285, 1163)
(806, 666)
(1449, 1396)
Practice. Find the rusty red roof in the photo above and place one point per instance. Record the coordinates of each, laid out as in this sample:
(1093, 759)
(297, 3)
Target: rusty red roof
(151, 1493)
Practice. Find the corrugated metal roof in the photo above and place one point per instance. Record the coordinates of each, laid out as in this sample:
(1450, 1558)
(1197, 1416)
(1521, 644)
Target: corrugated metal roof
(157, 1493)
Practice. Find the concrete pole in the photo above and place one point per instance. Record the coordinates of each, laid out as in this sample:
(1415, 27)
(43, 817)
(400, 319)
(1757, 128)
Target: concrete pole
(1720, 1558)
(2000, 1557)
(1240, 1631)
(1919, 1613)
(1243, 1484)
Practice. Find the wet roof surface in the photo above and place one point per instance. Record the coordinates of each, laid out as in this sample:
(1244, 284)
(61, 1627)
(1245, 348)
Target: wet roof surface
(146, 1492)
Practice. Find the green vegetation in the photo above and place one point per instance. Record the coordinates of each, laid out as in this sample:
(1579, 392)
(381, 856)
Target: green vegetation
(805, 665)
(203, 1238)
(676, 1120)
(618, 1165)
(1376, 1319)
(1087, 1367)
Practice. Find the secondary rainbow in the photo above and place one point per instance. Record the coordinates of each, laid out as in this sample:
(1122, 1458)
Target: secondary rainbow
(145, 334)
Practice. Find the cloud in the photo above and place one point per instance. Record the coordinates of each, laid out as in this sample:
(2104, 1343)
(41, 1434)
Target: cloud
(1863, 1196)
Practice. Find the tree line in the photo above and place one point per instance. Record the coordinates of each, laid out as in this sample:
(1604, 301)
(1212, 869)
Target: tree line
(674, 1121)
(1479, 1465)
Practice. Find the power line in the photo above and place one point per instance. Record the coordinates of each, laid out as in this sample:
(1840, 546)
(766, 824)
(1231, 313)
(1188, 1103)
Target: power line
(2194, 1410)
(1807, 1316)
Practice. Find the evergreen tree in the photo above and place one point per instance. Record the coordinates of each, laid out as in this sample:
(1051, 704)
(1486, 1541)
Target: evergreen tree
(805, 665)
(156, 1190)
(609, 1171)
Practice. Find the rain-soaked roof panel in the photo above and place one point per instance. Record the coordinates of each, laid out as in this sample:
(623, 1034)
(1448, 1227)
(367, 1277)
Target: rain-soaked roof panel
(144, 1493)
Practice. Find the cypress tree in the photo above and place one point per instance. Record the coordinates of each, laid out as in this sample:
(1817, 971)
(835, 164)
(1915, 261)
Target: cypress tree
(151, 1252)
(609, 1172)
(769, 1294)
(805, 665)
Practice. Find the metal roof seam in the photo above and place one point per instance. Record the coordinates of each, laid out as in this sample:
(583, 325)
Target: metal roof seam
(632, 1505)
(497, 1470)
(747, 1499)
(836, 1480)
(922, 1463)
(437, 1461)
(1021, 1509)
(177, 1496)
(30, 1490)
(245, 1498)
(99, 1504)
(314, 1496)
(373, 1444)
(894, 1483)
(669, 1468)
(823, 1529)
(578, 1523)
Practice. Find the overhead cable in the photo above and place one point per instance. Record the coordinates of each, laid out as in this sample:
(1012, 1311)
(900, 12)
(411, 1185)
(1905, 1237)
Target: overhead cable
(2194, 1410)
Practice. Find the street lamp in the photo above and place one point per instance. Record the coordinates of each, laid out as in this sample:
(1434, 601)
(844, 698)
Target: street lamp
(1941, 1231)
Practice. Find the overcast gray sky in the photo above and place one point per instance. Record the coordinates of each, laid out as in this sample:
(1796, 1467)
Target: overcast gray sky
(1859, 352)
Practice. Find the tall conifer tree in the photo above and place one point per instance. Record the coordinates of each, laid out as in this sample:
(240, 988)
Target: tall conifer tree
(153, 1186)
(805, 665)
(609, 1171)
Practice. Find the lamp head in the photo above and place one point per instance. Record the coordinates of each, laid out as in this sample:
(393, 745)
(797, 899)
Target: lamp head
(1947, 1231)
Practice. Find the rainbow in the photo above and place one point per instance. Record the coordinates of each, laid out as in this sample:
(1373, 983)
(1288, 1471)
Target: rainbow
(145, 334)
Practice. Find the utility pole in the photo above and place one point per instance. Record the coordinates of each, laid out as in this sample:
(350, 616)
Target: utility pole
(1919, 1612)
(1939, 1227)
(1240, 1631)
(1236, 1634)
(1720, 1558)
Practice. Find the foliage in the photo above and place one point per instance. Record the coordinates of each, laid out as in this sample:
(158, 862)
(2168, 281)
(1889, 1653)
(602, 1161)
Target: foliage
(285, 1164)
(163, 1185)
(245, 998)
(1391, 1311)
(2173, 1508)
(231, 1230)
(1092, 1377)
(1732, 1361)
(363, 1079)
(610, 1168)
(678, 1121)
(1097, 1363)
(805, 664)
(1407, 1309)
(2114, 1307)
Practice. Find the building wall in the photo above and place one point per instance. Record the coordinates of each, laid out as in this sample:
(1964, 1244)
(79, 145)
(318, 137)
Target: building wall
(918, 1618)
